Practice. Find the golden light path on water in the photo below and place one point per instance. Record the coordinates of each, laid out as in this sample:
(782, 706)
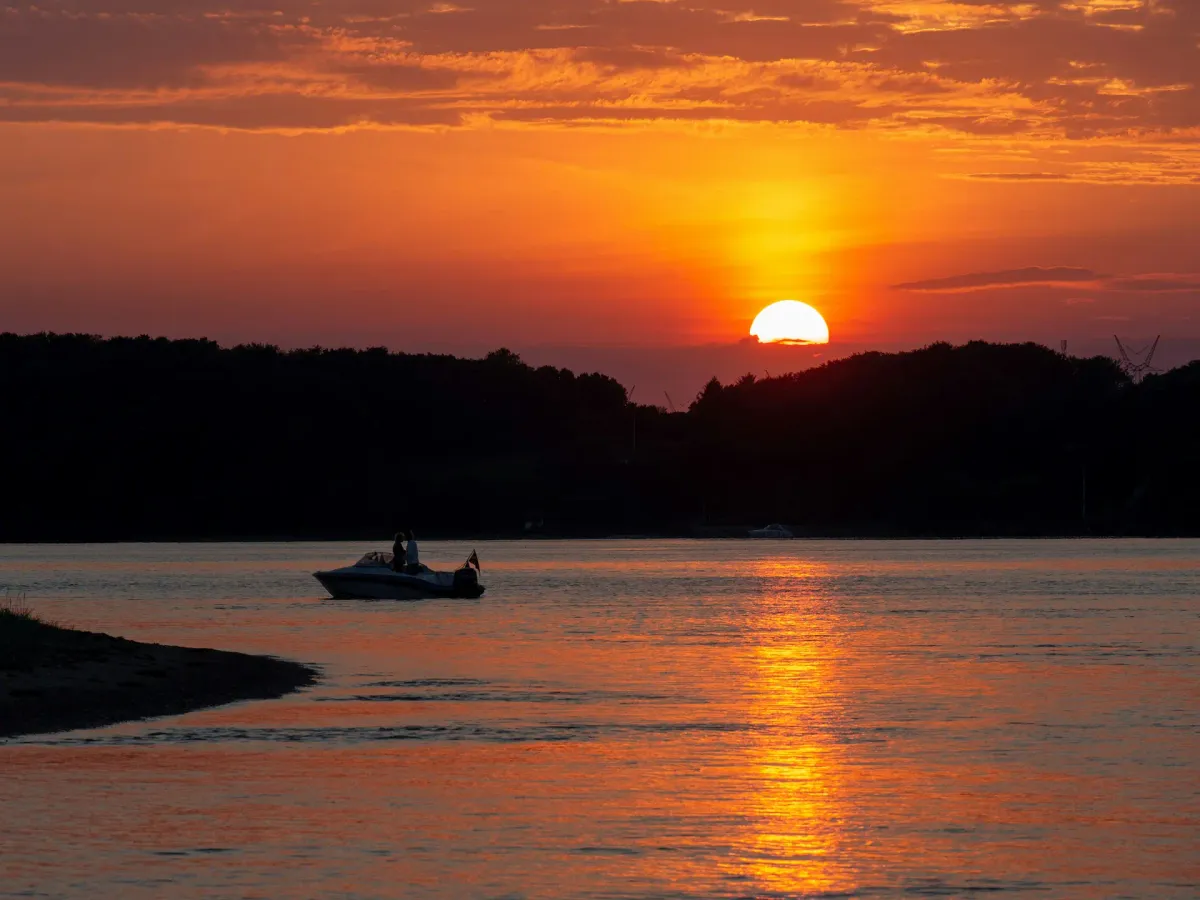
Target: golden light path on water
(793, 760)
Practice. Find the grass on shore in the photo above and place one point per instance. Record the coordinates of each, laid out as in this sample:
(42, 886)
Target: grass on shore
(28, 638)
(18, 619)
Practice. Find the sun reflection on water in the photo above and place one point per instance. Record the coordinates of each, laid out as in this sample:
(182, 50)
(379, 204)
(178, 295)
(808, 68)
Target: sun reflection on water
(795, 772)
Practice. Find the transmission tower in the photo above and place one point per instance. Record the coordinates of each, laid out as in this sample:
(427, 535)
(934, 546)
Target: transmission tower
(1137, 370)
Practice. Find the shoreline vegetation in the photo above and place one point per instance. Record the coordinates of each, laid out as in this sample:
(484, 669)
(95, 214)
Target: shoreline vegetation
(55, 679)
(152, 439)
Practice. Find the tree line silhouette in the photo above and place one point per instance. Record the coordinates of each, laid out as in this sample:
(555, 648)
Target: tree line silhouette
(140, 438)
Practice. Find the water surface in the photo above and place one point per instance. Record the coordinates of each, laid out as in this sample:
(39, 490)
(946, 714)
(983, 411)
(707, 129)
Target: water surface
(637, 719)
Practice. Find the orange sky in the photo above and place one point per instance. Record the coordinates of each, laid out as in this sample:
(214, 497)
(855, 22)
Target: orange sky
(599, 172)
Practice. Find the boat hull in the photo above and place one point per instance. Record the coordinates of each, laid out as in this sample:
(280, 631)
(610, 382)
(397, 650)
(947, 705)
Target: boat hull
(347, 584)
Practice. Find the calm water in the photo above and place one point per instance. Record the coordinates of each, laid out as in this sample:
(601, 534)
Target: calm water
(641, 719)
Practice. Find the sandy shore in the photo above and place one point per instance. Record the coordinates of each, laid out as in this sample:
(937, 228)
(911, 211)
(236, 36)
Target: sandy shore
(58, 679)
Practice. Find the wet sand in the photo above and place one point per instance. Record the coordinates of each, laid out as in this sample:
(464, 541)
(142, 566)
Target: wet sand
(58, 679)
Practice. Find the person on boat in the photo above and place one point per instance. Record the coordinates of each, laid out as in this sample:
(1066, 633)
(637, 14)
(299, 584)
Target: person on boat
(412, 555)
(399, 554)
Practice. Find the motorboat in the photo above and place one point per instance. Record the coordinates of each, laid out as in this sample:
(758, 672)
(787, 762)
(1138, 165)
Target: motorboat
(772, 531)
(373, 578)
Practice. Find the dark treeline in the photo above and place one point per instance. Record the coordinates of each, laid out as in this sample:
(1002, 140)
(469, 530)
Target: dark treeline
(143, 439)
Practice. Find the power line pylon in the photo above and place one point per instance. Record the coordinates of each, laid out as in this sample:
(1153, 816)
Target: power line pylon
(1137, 370)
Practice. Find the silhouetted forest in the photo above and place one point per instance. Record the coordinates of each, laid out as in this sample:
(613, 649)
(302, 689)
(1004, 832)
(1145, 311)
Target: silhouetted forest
(137, 438)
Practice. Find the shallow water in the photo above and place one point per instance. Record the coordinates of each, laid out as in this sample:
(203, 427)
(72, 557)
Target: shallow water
(637, 719)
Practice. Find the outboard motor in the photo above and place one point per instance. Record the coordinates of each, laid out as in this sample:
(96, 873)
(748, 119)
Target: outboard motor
(466, 582)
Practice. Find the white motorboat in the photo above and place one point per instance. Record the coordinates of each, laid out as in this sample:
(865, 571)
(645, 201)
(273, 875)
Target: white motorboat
(772, 531)
(373, 578)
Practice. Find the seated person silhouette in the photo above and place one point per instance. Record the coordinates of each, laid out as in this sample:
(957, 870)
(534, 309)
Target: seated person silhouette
(412, 556)
(399, 554)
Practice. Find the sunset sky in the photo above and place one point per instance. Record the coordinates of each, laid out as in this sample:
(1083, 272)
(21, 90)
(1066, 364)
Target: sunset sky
(597, 173)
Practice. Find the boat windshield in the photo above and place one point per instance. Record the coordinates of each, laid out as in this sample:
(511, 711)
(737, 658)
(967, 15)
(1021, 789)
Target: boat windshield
(376, 558)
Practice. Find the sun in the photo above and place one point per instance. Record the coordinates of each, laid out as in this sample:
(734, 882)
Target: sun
(790, 322)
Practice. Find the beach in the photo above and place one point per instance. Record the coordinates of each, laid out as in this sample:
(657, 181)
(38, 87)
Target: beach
(59, 679)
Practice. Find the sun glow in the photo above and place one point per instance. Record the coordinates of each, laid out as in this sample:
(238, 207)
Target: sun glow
(790, 322)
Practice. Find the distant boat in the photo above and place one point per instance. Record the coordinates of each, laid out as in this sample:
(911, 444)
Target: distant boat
(372, 578)
(772, 531)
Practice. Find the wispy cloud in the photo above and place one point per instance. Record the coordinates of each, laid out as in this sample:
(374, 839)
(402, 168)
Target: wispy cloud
(1156, 284)
(980, 281)
(1019, 176)
(1057, 276)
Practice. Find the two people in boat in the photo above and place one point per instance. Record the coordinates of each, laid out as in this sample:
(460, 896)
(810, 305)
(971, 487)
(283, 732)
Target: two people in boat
(405, 559)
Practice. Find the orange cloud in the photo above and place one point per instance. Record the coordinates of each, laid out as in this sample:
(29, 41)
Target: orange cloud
(1048, 69)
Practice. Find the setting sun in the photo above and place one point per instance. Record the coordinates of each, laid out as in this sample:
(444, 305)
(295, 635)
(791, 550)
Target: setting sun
(790, 322)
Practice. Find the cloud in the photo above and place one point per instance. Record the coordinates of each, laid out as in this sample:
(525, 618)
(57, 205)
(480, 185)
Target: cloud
(398, 77)
(1156, 284)
(1042, 70)
(633, 58)
(979, 281)
(104, 51)
(1019, 176)
(1058, 276)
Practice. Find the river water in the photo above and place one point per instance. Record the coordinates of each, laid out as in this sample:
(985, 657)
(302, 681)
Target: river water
(637, 719)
